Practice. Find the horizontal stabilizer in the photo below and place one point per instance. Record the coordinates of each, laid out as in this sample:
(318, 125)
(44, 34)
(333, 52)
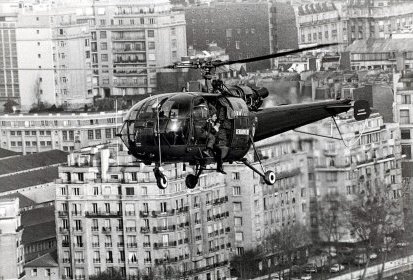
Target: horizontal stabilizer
(361, 110)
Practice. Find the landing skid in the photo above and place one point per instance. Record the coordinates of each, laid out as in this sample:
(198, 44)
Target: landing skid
(161, 179)
(191, 180)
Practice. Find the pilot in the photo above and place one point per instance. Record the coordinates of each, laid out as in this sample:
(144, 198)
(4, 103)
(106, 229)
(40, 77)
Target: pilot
(211, 127)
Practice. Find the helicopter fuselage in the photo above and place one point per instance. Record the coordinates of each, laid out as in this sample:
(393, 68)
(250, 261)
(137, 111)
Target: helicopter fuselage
(171, 127)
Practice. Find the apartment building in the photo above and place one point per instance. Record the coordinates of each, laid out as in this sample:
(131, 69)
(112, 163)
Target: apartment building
(402, 87)
(111, 215)
(372, 156)
(322, 23)
(241, 28)
(129, 40)
(11, 253)
(377, 18)
(33, 133)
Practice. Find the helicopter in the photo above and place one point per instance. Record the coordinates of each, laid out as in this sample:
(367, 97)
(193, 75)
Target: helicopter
(170, 127)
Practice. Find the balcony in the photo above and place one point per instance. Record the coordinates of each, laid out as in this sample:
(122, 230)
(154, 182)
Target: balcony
(198, 238)
(181, 225)
(197, 222)
(65, 244)
(78, 245)
(95, 244)
(63, 230)
(164, 244)
(119, 228)
(109, 260)
(163, 213)
(130, 213)
(147, 261)
(62, 213)
(143, 214)
(77, 228)
(163, 229)
(145, 229)
(102, 214)
(66, 260)
(120, 244)
(96, 260)
(108, 245)
(79, 260)
(130, 229)
(106, 229)
(94, 228)
(220, 216)
(183, 209)
(220, 200)
(146, 244)
(197, 205)
(132, 245)
(76, 213)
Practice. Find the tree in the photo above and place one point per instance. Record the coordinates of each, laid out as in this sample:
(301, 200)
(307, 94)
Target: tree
(374, 216)
(245, 265)
(287, 241)
(332, 221)
(10, 105)
(108, 275)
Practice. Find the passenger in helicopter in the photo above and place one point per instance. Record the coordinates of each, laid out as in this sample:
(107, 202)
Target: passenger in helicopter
(211, 128)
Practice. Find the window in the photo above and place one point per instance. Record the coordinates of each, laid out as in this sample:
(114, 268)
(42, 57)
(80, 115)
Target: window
(98, 134)
(237, 45)
(151, 45)
(406, 99)
(238, 221)
(34, 272)
(237, 206)
(404, 116)
(130, 191)
(102, 34)
(235, 176)
(104, 57)
(47, 272)
(103, 46)
(90, 134)
(405, 133)
(407, 151)
(237, 190)
(151, 33)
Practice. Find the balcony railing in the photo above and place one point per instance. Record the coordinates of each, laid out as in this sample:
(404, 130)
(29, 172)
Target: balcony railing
(143, 214)
(62, 213)
(96, 260)
(108, 244)
(79, 260)
(95, 244)
(164, 244)
(106, 229)
(103, 214)
(132, 245)
(130, 229)
(121, 244)
(146, 244)
(145, 229)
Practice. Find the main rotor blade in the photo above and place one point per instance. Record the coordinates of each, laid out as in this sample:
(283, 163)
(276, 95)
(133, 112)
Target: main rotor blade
(274, 55)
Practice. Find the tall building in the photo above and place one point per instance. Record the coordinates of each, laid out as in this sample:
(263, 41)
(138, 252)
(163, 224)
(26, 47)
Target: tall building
(241, 28)
(111, 215)
(33, 133)
(283, 26)
(9, 78)
(55, 41)
(377, 19)
(403, 107)
(372, 157)
(322, 23)
(11, 253)
(128, 39)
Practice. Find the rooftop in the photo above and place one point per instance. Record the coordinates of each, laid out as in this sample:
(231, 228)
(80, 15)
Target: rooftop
(38, 216)
(7, 153)
(316, 8)
(27, 162)
(381, 45)
(47, 260)
(28, 179)
(39, 232)
(24, 201)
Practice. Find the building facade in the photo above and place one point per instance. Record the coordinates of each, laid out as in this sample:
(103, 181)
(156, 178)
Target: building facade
(372, 158)
(112, 216)
(12, 255)
(33, 133)
(241, 28)
(377, 18)
(55, 41)
(129, 40)
(322, 23)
